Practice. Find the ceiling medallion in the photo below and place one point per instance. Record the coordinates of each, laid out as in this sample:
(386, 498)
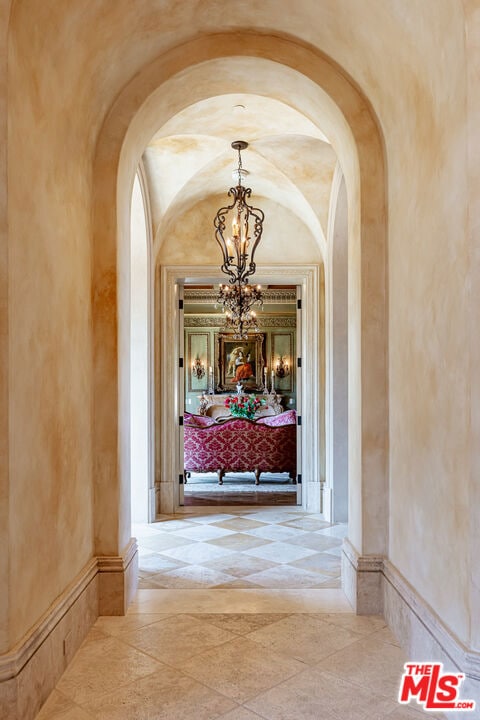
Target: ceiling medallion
(238, 251)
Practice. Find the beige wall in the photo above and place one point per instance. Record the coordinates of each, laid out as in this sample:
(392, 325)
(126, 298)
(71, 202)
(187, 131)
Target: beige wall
(4, 349)
(190, 239)
(472, 10)
(49, 205)
(67, 64)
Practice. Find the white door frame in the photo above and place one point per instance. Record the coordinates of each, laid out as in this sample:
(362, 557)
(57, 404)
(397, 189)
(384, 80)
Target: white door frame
(167, 380)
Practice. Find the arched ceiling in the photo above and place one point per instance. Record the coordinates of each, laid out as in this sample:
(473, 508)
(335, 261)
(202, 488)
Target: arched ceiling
(289, 159)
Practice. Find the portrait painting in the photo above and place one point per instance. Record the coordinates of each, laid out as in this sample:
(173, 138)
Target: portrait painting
(239, 362)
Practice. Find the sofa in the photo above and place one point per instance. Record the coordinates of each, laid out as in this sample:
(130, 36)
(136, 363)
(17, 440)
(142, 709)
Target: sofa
(266, 444)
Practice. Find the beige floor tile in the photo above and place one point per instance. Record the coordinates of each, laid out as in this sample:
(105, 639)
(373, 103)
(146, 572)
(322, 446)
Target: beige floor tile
(336, 551)
(147, 584)
(239, 523)
(286, 576)
(307, 523)
(362, 624)
(276, 532)
(304, 637)
(165, 695)
(313, 695)
(274, 515)
(280, 552)
(96, 633)
(59, 707)
(241, 624)
(365, 662)
(332, 583)
(240, 713)
(213, 517)
(192, 576)
(238, 564)
(238, 584)
(241, 669)
(204, 532)
(338, 531)
(386, 635)
(245, 601)
(164, 541)
(405, 712)
(197, 553)
(321, 563)
(239, 541)
(315, 541)
(176, 639)
(115, 626)
(157, 562)
(103, 666)
(172, 525)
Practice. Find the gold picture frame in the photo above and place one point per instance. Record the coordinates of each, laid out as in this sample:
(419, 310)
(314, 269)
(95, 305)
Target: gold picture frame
(239, 361)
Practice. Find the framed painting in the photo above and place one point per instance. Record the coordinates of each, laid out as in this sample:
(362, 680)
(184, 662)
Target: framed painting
(239, 361)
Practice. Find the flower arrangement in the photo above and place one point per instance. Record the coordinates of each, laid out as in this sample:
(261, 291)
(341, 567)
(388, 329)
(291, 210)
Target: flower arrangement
(242, 406)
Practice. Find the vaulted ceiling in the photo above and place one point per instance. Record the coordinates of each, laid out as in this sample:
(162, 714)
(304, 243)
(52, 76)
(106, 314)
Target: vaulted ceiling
(289, 159)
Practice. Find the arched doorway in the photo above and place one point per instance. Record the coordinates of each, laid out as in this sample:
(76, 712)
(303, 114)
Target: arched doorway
(321, 89)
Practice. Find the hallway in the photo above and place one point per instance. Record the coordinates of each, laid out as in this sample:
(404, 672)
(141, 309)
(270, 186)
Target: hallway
(231, 635)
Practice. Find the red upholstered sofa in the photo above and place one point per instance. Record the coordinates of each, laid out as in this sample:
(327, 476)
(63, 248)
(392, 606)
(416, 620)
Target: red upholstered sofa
(237, 445)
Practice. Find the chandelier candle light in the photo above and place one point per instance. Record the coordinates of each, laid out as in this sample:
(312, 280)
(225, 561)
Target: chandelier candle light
(238, 252)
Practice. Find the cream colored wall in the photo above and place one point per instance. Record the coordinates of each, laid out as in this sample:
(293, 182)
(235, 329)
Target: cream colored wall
(68, 62)
(50, 381)
(190, 240)
(472, 10)
(428, 310)
(4, 341)
(139, 384)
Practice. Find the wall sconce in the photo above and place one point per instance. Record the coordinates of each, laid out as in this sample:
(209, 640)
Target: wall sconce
(282, 369)
(198, 368)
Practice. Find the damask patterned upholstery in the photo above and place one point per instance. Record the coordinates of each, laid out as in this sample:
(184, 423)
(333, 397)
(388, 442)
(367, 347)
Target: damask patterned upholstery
(285, 418)
(198, 420)
(238, 445)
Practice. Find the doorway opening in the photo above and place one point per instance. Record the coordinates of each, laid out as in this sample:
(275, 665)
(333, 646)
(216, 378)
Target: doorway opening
(227, 460)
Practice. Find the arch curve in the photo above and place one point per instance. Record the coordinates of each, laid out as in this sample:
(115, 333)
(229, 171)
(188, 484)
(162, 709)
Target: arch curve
(331, 99)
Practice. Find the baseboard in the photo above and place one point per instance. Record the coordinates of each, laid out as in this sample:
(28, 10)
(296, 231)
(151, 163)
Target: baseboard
(30, 671)
(362, 580)
(374, 586)
(422, 633)
(327, 502)
(117, 581)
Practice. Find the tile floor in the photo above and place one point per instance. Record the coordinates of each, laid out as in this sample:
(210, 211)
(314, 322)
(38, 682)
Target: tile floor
(243, 548)
(239, 617)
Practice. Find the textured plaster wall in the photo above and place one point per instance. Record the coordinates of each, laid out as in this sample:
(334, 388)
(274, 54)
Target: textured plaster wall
(139, 358)
(472, 10)
(4, 350)
(49, 187)
(68, 62)
(190, 240)
(429, 334)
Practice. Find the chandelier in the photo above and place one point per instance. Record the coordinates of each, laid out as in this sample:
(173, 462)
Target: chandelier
(238, 251)
(237, 301)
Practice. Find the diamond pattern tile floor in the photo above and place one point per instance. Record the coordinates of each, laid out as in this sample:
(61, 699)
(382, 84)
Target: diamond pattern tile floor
(240, 618)
(257, 548)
